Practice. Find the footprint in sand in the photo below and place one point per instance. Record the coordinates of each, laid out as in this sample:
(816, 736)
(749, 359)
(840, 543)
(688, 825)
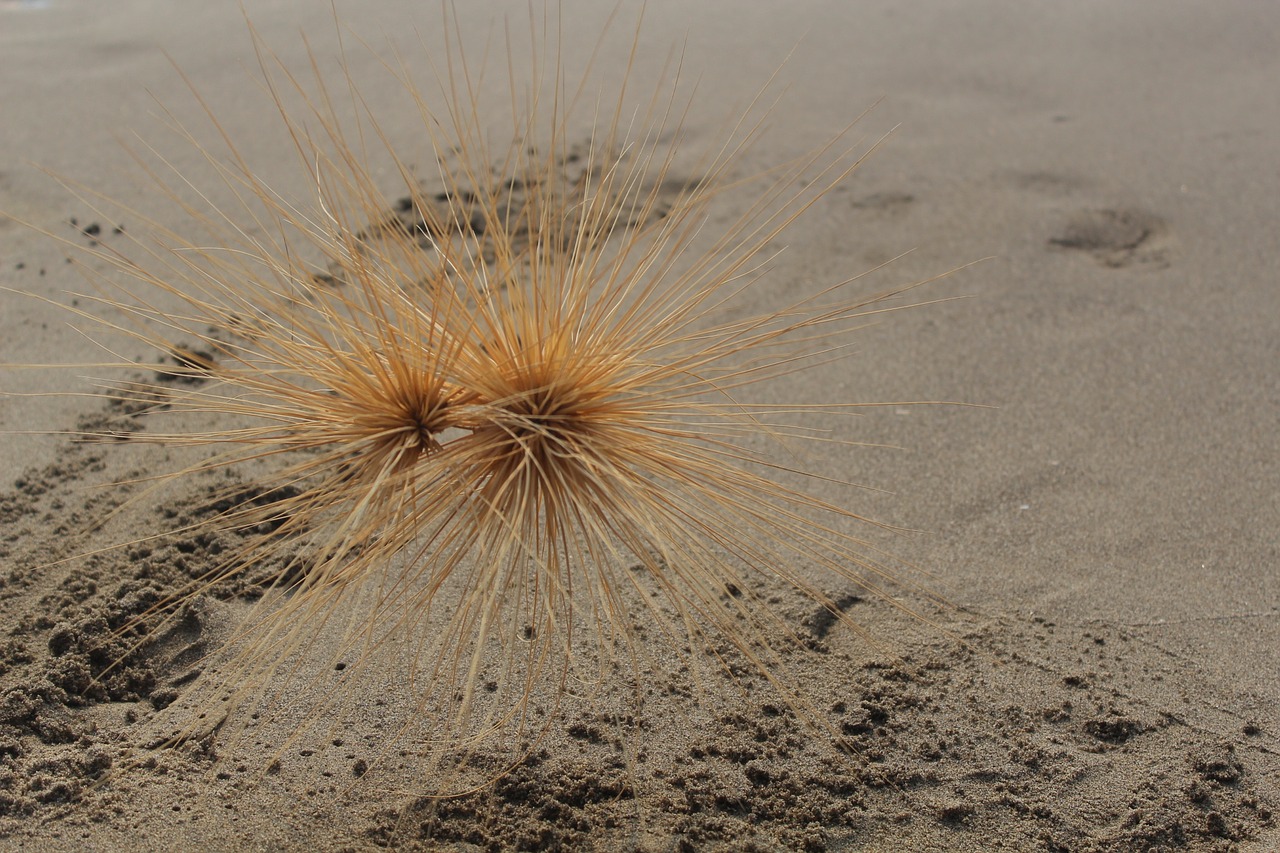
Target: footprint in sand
(1116, 237)
(885, 202)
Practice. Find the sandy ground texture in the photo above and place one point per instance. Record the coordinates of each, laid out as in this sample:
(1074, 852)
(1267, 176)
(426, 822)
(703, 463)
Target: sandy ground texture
(1105, 677)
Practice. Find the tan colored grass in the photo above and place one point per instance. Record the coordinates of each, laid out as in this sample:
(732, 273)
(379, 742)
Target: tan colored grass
(497, 423)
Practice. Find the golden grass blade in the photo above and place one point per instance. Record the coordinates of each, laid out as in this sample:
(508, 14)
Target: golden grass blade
(495, 423)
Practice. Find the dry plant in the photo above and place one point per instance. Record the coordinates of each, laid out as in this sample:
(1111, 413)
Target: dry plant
(505, 427)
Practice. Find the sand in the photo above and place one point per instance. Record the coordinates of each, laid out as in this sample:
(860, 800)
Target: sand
(1104, 677)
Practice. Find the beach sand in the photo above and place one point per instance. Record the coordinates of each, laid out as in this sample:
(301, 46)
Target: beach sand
(1104, 676)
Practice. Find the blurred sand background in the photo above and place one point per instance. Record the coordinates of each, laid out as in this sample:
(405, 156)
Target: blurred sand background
(1109, 534)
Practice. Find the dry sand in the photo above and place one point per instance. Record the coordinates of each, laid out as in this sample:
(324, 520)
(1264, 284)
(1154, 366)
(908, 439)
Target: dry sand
(1107, 535)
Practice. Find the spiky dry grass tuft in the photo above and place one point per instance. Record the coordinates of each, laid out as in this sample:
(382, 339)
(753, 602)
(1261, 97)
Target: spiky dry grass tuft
(500, 423)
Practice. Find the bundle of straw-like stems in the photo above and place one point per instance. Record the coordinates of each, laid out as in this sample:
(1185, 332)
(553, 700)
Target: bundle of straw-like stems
(504, 422)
